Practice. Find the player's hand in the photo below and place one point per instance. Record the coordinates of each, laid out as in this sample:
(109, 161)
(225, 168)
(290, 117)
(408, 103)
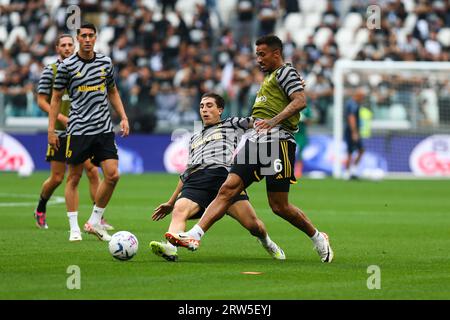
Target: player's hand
(53, 140)
(124, 127)
(64, 120)
(264, 125)
(161, 211)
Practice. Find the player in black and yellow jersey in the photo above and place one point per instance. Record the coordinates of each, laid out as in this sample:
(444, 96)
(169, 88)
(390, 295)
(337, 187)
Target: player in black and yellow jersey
(268, 152)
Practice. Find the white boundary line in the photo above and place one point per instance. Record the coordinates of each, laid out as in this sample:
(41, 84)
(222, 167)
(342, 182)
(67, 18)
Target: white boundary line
(54, 200)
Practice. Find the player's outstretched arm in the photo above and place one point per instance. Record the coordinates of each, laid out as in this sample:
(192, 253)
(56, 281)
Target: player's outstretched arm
(55, 108)
(165, 208)
(116, 102)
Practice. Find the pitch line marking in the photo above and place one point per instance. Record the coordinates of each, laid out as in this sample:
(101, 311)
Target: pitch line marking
(53, 200)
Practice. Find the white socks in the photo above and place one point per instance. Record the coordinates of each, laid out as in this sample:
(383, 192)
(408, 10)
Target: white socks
(317, 237)
(73, 221)
(196, 232)
(266, 242)
(96, 215)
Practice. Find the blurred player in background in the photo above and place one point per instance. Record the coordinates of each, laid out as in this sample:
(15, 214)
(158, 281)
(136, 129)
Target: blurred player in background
(352, 133)
(210, 157)
(64, 47)
(88, 76)
(276, 109)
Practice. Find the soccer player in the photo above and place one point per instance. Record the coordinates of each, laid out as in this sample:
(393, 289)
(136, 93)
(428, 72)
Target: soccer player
(64, 48)
(352, 134)
(276, 109)
(210, 157)
(88, 76)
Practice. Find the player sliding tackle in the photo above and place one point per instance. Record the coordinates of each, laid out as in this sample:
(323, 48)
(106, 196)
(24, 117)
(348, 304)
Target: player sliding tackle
(210, 157)
(277, 109)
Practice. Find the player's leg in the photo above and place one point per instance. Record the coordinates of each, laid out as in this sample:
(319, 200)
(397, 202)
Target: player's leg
(241, 176)
(57, 171)
(245, 214)
(110, 168)
(280, 205)
(183, 210)
(93, 178)
(232, 186)
(71, 194)
(277, 187)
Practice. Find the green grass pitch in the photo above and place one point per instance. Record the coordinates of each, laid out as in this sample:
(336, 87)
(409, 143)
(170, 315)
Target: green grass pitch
(403, 227)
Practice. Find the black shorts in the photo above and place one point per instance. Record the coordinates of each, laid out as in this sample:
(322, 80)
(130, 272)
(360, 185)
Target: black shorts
(57, 155)
(202, 187)
(273, 160)
(351, 144)
(98, 148)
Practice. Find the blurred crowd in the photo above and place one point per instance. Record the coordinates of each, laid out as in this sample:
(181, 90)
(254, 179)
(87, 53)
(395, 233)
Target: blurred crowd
(168, 53)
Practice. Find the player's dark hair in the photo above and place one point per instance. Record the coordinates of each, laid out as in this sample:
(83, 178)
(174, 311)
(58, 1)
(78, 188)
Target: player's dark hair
(219, 100)
(87, 25)
(272, 41)
(64, 35)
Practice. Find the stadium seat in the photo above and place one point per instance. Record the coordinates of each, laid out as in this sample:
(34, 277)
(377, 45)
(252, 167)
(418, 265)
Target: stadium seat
(321, 37)
(362, 36)
(353, 20)
(313, 19)
(344, 36)
(409, 5)
(150, 4)
(106, 34)
(301, 36)
(16, 32)
(50, 35)
(3, 34)
(173, 19)
(308, 6)
(226, 9)
(443, 36)
(293, 21)
(410, 22)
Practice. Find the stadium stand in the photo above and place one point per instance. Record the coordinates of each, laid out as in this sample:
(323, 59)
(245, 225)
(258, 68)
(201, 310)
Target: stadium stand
(168, 53)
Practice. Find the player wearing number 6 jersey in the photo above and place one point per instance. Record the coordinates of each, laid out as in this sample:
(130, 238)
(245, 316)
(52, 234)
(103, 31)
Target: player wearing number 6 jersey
(277, 109)
(211, 150)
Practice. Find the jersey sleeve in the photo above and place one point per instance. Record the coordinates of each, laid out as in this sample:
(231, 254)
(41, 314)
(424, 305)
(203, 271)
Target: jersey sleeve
(240, 123)
(289, 80)
(62, 77)
(45, 81)
(110, 80)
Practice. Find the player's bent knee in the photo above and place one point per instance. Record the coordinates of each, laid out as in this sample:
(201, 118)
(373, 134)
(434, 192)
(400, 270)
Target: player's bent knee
(228, 191)
(279, 209)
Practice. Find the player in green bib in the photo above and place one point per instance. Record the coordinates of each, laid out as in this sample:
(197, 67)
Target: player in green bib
(64, 48)
(268, 151)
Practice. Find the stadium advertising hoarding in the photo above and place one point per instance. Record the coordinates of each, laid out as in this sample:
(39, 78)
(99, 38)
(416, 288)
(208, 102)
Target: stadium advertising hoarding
(421, 156)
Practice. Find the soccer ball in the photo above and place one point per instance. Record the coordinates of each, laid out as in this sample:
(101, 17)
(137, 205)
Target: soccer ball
(123, 245)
